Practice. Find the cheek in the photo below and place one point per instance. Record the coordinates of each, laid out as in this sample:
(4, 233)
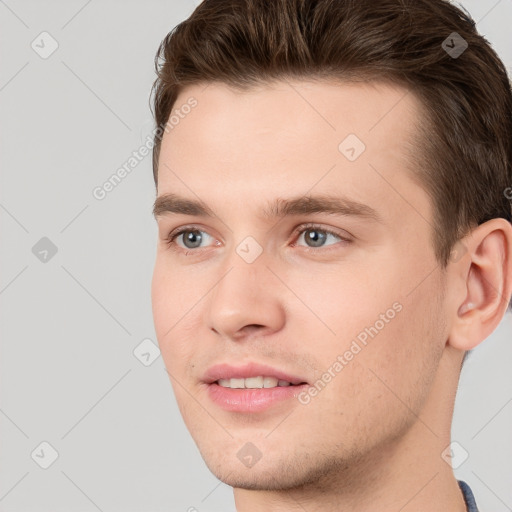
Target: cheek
(173, 293)
(342, 301)
(162, 301)
(379, 328)
(400, 362)
(372, 396)
(171, 301)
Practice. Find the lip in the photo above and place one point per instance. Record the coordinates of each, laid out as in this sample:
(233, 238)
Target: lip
(250, 400)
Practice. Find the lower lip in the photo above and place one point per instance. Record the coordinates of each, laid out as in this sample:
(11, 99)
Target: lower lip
(251, 400)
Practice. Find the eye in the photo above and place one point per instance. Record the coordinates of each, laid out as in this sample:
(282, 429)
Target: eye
(191, 237)
(315, 236)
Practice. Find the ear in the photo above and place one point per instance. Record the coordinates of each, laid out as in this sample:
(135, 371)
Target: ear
(483, 278)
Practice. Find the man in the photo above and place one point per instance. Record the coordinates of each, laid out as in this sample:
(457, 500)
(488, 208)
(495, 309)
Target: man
(334, 236)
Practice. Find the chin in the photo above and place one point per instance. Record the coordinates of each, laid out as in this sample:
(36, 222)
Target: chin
(229, 467)
(274, 472)
(254, 479)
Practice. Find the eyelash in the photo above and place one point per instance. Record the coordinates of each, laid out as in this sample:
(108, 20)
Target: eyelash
(170, 240)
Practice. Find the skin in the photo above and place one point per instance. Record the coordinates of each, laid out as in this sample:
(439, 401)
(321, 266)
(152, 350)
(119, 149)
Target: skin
(372, 439)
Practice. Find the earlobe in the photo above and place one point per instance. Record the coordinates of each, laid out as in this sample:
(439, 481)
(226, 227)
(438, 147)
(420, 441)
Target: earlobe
(486, 270)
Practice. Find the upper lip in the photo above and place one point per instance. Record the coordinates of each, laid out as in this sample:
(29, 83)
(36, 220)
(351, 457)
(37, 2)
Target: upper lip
(251, 369)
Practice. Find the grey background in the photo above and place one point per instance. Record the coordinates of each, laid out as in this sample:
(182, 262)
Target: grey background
(69, 325)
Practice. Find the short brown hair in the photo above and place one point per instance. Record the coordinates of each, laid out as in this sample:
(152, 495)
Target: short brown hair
(464, 153)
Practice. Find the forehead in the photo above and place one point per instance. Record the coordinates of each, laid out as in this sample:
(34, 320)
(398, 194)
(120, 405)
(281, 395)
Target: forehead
(360, 105)
(288, 138)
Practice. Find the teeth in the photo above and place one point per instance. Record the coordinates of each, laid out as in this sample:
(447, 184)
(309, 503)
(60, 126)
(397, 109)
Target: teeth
(269, 382)
(253, 383)
(237, 383)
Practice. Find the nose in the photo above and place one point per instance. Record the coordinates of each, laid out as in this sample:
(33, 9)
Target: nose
(248, 300)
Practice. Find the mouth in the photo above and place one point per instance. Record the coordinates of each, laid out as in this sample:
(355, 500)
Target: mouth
(251, 388)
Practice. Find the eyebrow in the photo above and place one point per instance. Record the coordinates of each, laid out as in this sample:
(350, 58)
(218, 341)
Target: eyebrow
(303, 205)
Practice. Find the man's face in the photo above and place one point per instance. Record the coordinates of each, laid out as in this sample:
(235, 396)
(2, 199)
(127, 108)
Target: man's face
(348, 303)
